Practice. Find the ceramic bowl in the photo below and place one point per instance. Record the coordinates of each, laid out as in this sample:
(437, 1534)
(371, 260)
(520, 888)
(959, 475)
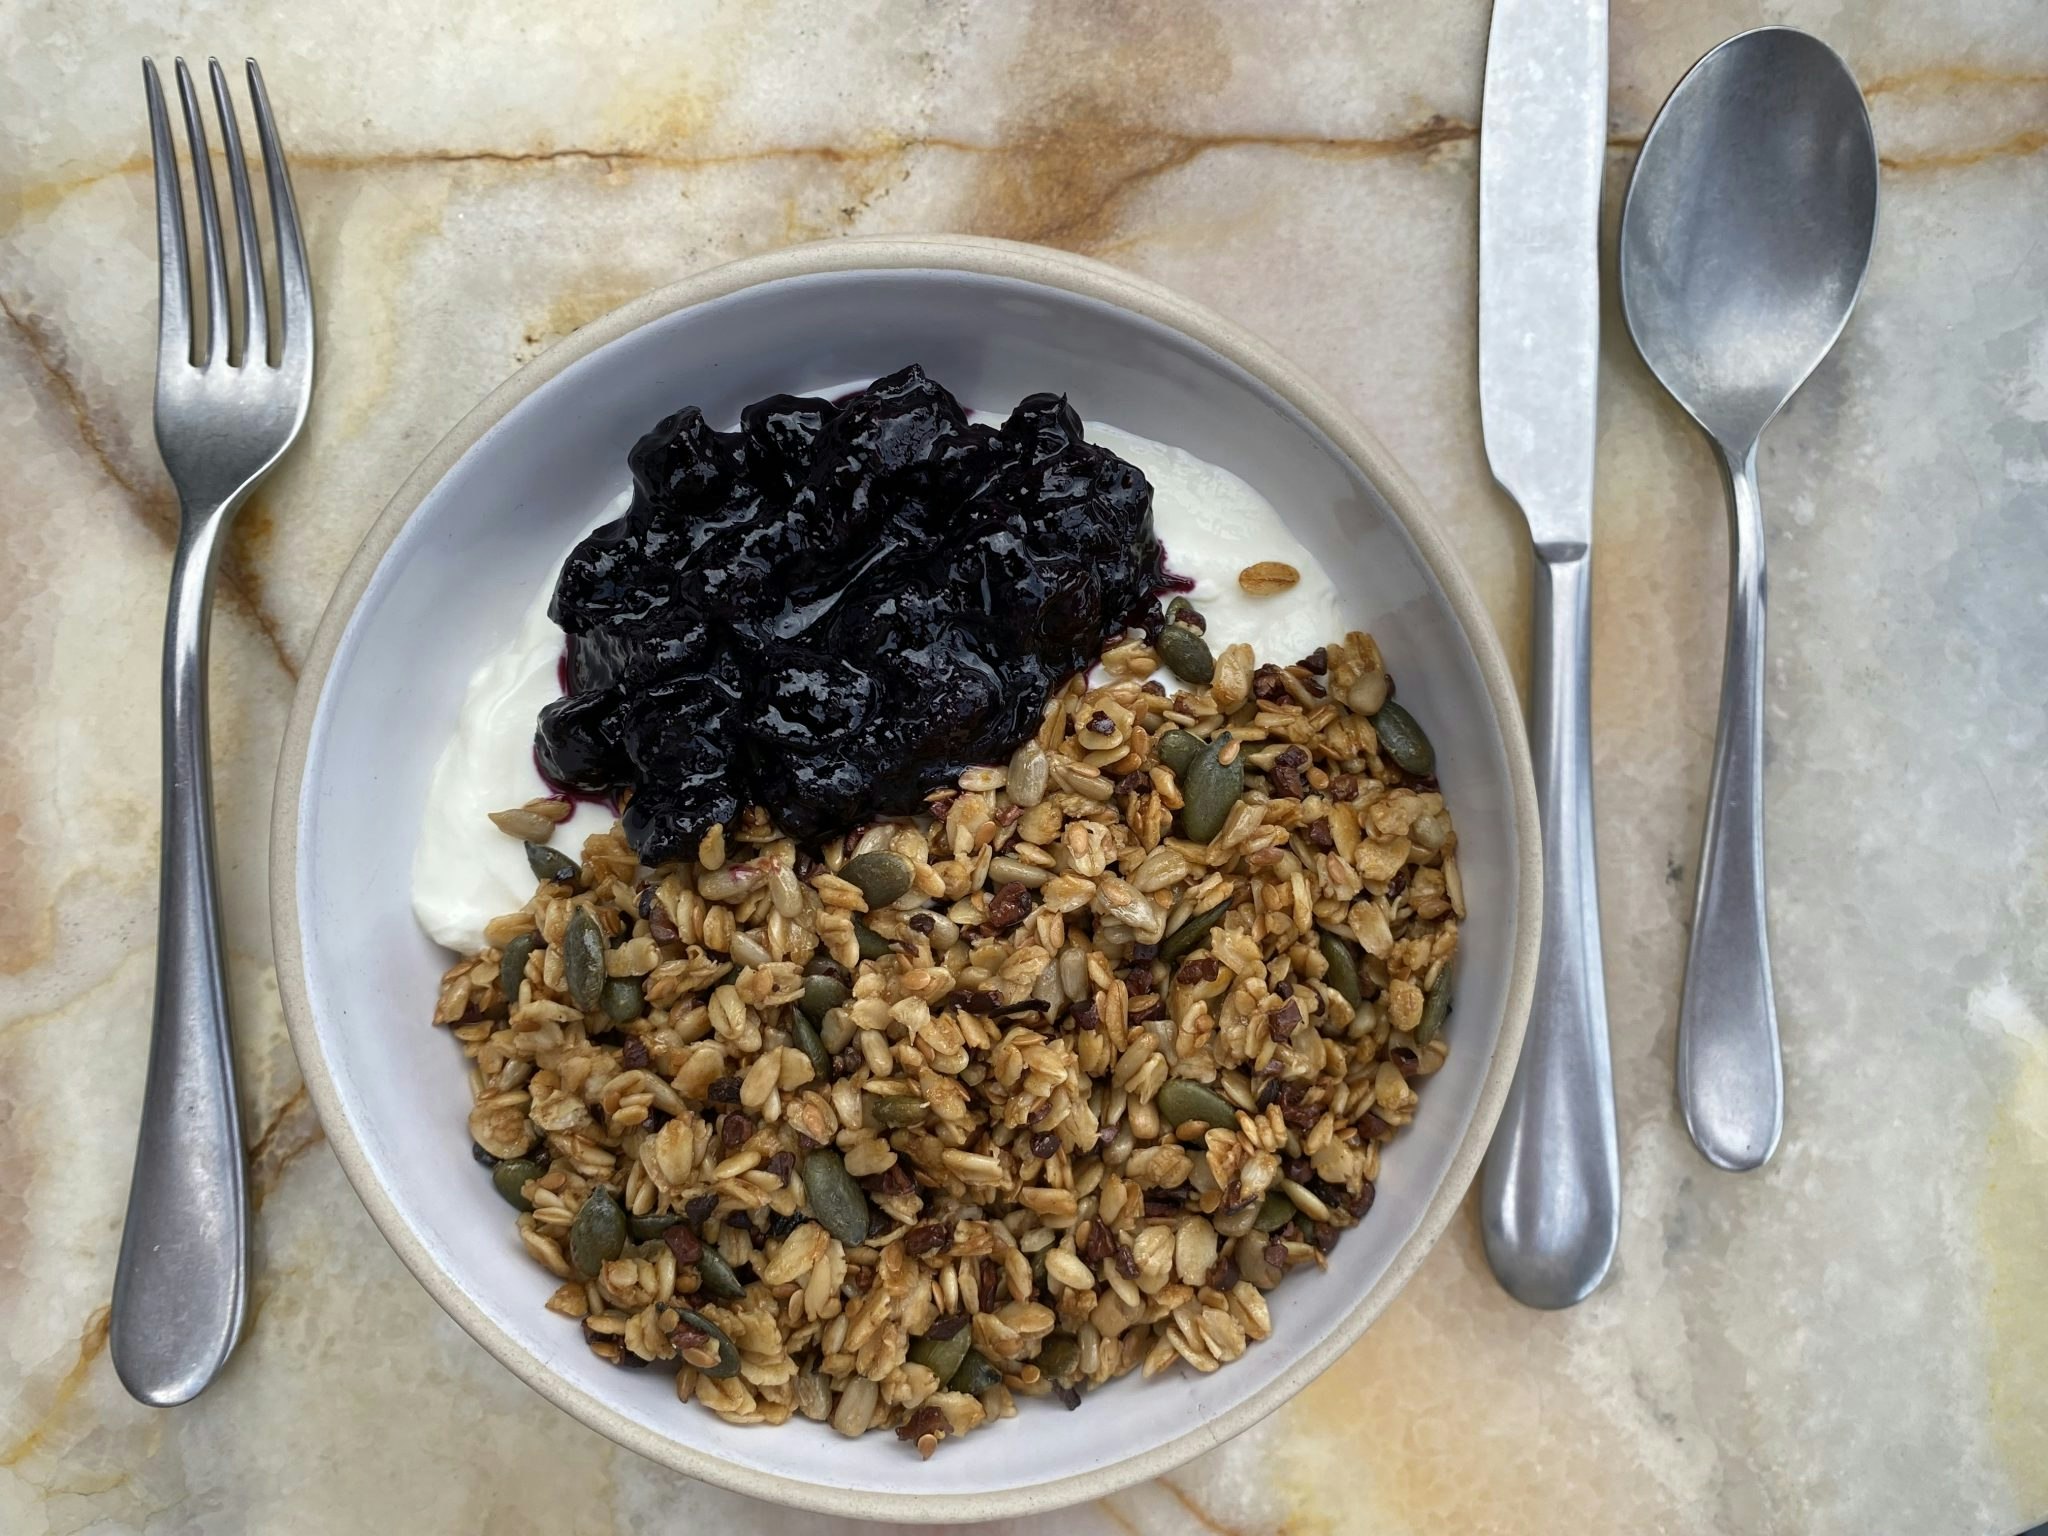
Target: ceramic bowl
(441, 582)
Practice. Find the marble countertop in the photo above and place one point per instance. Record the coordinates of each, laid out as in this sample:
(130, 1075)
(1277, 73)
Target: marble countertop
(1853, 1339)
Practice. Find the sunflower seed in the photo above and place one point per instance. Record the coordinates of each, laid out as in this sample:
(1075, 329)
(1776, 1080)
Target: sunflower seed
(528, 826)
(1029, 771)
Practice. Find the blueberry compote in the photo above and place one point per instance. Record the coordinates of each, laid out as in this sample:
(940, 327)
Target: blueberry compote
(833, 610)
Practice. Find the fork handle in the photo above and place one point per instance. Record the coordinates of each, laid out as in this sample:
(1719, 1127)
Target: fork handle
(181, 1289)
(1550, 1197)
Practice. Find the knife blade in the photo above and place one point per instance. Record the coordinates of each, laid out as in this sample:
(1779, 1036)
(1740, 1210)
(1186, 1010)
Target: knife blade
(1551, 1189)
(1542, 150)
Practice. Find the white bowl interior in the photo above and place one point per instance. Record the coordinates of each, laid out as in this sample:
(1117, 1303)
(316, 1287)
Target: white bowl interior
(451, 589)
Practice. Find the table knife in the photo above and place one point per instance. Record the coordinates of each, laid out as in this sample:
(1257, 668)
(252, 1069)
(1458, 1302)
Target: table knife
(1551, 1189)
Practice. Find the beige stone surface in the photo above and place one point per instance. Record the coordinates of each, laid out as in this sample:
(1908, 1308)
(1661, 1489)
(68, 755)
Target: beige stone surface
(1854, 1339)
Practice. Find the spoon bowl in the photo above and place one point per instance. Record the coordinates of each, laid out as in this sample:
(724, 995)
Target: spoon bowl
(1744, 241)
(1748, 227)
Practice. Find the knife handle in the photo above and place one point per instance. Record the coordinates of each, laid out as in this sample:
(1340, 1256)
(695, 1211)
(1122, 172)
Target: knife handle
(1550, 1198)
(1730, 1082)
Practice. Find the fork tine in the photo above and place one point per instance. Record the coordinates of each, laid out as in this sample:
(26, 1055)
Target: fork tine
(209, 224)
(174, 282)
(295, 311)
(255, 320)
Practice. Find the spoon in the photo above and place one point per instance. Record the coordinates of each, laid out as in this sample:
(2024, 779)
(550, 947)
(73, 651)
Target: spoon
(1744, 241)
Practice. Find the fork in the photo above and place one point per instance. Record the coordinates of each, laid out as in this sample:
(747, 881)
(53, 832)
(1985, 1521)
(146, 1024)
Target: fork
(223, 417)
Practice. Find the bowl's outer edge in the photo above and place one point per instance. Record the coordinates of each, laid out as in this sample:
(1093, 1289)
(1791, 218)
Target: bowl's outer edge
(996, 258)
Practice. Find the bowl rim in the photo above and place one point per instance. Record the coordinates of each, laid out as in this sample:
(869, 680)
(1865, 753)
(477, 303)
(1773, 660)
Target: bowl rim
(1087, 278)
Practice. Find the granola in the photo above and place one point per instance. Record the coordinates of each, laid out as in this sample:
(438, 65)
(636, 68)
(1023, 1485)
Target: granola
(1064, 1101)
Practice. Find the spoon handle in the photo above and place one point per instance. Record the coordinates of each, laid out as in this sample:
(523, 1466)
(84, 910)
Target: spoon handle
(1730, 1084)
(1550, 1200)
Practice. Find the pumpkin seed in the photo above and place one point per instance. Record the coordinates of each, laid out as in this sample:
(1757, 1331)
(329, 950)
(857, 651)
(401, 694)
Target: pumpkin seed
(621, 999)
(598, 1233)
(1182, 1099)
(840, 1204)
(550, 864)
(1177, 749)
(583, 960)
(1181, 611)
(728, 1352)
(1210, 788)
(808, 1041)
(872, 945)
(646, 1228)
(1235, 1220)
(1275, 1211)
(821, 995)
(1403, 740)
(882, 876)
(975, 1375)
(1004, 869)
(1190, 933)
(1436, 1007)
(1343, 973)
(1058, 1356)
(512, 965)
(509, 1179)
(718, 1276)
(1187, 653)
(942, 1357)
(894, 1111)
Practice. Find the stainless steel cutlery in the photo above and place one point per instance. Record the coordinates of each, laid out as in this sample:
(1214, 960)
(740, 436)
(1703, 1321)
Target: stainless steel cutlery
(234, 376)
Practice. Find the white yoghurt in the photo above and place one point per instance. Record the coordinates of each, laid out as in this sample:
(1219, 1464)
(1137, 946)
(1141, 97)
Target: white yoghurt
(466, 871)
(1214, 525)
